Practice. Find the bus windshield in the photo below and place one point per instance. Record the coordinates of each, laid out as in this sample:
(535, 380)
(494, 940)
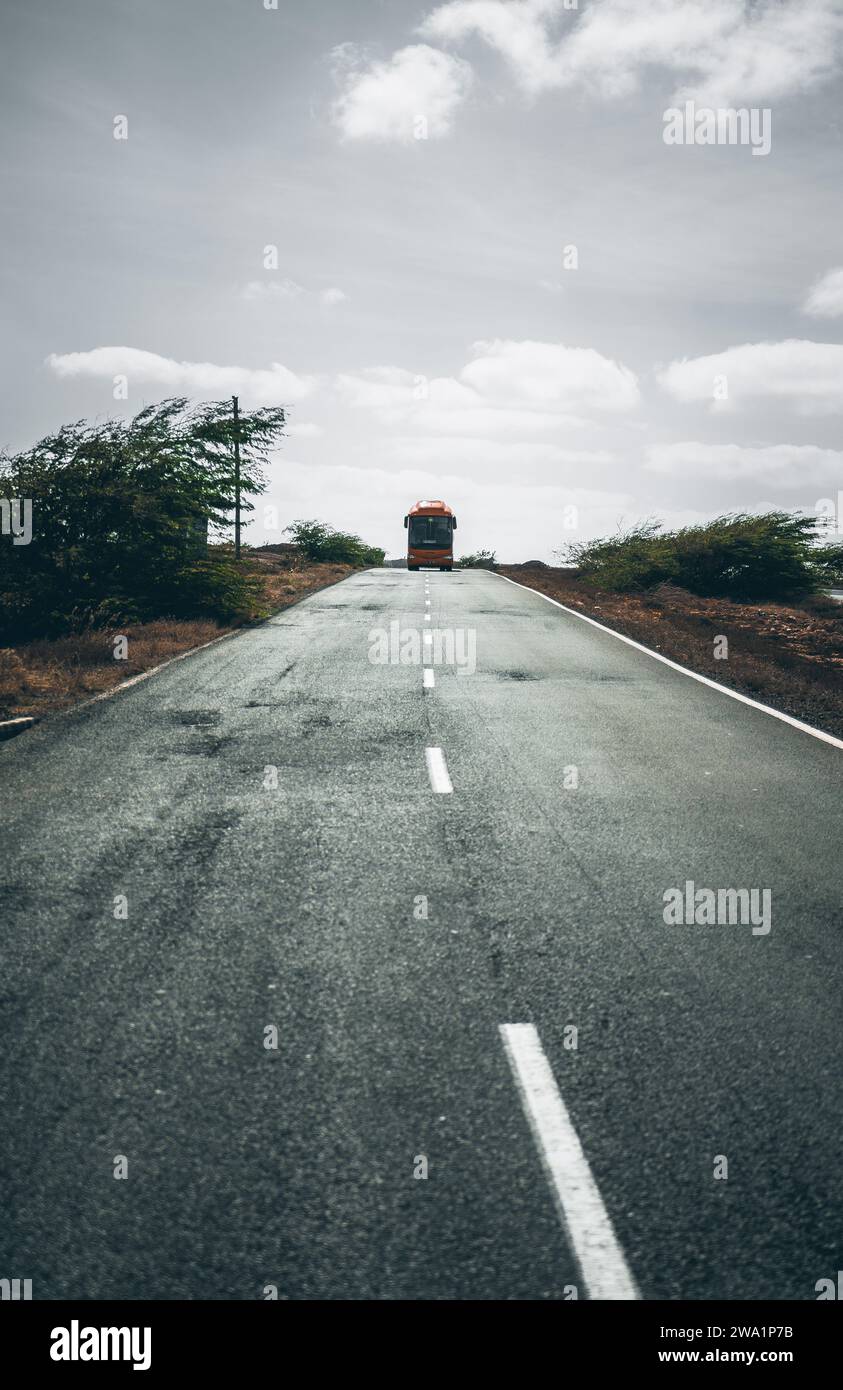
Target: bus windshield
(430, 532)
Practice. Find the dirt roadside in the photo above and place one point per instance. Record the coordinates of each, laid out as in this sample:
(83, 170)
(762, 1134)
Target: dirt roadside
(789, 656)
(39, 678)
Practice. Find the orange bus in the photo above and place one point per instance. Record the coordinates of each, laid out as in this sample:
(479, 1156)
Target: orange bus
(430, 536)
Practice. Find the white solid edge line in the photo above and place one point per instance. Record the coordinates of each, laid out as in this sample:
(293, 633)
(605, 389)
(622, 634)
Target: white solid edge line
(584, 1217)
(153, 670)
(685, 670)
(437, 770)
(427, 678)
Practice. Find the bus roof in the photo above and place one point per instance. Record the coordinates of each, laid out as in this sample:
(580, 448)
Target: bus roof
(431, 508)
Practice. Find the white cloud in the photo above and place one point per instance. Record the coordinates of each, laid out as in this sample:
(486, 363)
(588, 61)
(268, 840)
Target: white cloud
(551, 376)
(384, 100)
(440, 406)
(803, 374)
(275, 385)
(825, 297)
(272, 289)
(507, 388)
(519, 31)
(774, 465)
(721, 51)
(508, 456)
(306, 430)
(378, 388)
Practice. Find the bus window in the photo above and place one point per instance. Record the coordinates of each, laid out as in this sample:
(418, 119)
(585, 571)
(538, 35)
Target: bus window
(429, 532)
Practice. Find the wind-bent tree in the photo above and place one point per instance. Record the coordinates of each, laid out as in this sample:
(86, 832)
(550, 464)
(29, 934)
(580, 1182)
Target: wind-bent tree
(120, 511)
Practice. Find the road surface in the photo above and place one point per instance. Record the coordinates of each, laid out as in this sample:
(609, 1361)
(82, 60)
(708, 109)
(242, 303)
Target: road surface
(587, 779)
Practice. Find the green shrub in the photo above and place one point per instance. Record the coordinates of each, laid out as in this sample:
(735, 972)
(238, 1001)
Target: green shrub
(639, 558)
(480, 560)
(737, 556)
(322, 544)
(214, 586)
(828, 562)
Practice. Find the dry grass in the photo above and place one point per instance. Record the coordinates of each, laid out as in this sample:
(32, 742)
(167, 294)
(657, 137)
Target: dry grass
(786, 655)
(38, 678)
(284, 581)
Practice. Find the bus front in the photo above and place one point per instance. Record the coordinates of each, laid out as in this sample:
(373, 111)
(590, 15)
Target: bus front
(430, 536)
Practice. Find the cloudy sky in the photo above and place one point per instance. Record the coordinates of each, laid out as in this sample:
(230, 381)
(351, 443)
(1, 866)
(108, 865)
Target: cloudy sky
(452, 239)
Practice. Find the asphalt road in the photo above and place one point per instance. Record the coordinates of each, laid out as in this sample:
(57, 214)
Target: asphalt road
(293, 906)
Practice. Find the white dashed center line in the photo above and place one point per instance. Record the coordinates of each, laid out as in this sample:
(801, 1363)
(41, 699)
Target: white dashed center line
(427, 678)
(437, 770)
(584, 1217)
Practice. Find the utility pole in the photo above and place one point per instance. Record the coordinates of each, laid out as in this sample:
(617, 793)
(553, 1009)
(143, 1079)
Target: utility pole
(236, 478)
